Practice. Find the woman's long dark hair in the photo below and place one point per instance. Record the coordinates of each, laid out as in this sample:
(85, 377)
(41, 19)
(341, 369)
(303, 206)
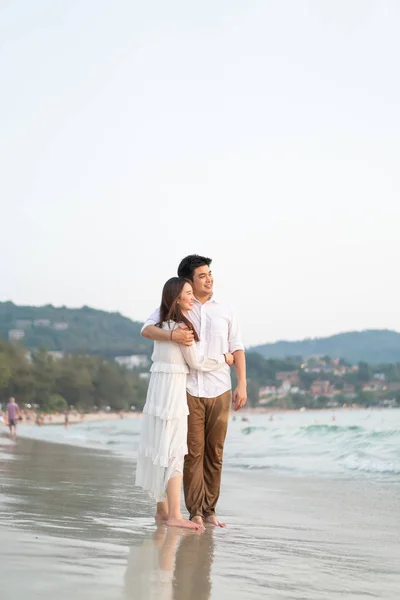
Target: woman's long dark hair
(170, 308)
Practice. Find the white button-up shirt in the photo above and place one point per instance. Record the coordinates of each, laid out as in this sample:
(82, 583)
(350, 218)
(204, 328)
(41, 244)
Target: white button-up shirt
(218, 330)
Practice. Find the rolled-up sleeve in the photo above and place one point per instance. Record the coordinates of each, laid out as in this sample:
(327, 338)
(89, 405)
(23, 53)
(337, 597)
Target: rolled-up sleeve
(234, 335)
(153, 319)
(201, 363)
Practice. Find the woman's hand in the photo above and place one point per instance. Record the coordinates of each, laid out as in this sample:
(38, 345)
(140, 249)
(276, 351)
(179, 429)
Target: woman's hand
(229, 359)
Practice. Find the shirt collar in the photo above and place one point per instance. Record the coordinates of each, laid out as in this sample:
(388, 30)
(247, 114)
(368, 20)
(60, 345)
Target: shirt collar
(212, 299)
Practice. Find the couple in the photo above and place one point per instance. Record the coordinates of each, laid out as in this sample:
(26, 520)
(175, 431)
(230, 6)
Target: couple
(196, 340)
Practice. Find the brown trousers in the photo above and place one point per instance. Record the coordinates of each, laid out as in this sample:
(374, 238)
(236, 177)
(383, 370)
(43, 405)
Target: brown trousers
(207, 426)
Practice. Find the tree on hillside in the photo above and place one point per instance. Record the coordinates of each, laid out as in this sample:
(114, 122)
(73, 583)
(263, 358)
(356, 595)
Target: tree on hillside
(86, 382)
(364, 372)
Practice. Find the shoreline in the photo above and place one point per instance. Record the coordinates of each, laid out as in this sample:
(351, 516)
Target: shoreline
(75, 417)
(73, 525)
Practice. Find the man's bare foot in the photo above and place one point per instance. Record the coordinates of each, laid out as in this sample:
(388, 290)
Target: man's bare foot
(199, 521)
(212, 519)
(181, 522)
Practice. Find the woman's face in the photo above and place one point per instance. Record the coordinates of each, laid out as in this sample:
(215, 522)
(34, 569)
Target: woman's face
(186, 298)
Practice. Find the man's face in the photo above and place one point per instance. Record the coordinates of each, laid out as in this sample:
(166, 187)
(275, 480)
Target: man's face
(203, 282)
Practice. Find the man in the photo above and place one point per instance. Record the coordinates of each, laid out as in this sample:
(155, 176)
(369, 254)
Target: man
(12, 411)
(209, 393)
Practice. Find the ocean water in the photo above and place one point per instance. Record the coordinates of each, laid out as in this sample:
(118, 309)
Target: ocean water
(344, 443)
(311, 501)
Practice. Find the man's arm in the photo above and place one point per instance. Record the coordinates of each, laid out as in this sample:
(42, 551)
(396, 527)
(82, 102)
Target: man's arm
(240, 393)
(237, 349)
(178, 335)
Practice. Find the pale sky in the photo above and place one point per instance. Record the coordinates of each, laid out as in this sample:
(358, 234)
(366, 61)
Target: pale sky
(264, 134)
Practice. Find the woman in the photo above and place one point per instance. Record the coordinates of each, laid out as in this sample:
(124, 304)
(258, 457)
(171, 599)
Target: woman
(163, 441)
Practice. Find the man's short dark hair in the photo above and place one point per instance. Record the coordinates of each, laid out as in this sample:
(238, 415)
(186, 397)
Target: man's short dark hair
(188, 265)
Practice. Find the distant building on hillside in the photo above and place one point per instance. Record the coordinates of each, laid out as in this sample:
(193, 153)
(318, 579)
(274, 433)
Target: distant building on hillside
(332, 404)
(340, 371)
(16, 334)
(60, 326)
(321, 369)
(22, 323)
(312, 370)
(388, 403)
(285, 388)
(348, 390)
(322, 388)
(394, 386)
(379, 376)
(290, 376)
(42, 322)
(135, 361)
(268, 390)
(374, 386)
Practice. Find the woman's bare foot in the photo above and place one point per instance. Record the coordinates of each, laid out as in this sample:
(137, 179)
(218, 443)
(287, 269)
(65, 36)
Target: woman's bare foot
(161, 512)
(212, 519)
(160, 517)
(181, 522)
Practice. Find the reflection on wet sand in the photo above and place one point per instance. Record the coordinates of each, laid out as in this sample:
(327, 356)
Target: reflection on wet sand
(171, 564)
(70, 517)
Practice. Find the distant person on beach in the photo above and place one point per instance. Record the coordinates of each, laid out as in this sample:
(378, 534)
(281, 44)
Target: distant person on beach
(209, 394)
(12, 412)
(163, 440)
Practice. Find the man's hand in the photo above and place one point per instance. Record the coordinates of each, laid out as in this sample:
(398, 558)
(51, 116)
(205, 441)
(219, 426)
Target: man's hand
(239, 396)
(229, 359)
(183, 335)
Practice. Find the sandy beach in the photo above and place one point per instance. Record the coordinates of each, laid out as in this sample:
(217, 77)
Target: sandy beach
(74, 526)
(75, 417)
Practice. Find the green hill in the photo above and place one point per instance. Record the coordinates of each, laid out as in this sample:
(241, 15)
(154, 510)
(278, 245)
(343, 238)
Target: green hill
(83, 330)
(90, 331)
(373, 346)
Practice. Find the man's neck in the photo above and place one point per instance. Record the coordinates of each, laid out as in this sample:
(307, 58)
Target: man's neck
(203, 299)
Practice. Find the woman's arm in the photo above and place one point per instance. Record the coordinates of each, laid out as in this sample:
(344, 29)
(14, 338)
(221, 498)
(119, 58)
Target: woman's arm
(201, 364)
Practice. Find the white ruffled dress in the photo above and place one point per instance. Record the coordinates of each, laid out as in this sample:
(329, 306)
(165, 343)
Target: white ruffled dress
(163, 439)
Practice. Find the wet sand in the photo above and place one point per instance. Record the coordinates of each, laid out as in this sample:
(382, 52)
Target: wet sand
(75, 417)
(72, 525)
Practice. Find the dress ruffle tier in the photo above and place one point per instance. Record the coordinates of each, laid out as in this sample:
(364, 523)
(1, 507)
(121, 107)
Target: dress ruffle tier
(163, 440)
